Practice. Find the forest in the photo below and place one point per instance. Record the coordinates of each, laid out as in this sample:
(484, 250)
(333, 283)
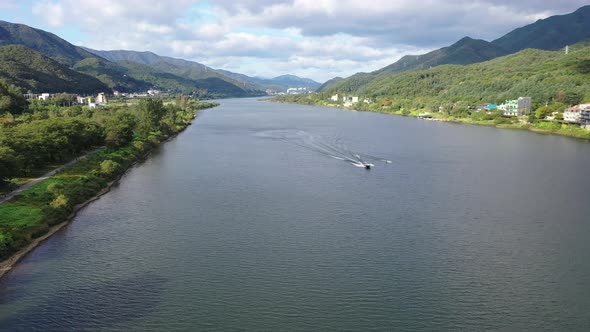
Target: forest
(38, 136)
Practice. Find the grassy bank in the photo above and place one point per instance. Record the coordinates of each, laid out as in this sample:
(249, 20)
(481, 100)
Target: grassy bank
(32, 213)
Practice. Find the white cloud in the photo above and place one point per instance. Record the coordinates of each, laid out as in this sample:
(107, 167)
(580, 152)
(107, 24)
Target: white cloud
(319, 37)
(52, 12)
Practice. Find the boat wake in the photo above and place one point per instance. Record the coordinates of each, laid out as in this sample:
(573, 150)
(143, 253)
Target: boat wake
(333, 149)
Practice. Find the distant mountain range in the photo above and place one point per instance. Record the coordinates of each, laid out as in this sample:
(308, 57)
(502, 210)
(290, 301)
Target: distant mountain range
(46, 63)
(549, 34)
(197, 70)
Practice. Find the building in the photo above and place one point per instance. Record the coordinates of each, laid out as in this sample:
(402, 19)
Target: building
(44, 96)
(524, 105)
(517, 107)
(579, 114)
(101, 98)
(349, 101)
(81, 100)
(481, 107)
(334, 97)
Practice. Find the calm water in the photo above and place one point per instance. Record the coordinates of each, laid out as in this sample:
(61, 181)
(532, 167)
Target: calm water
(242, 223)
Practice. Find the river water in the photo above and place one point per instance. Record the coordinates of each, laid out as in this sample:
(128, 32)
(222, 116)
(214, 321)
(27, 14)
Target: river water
(253, 219)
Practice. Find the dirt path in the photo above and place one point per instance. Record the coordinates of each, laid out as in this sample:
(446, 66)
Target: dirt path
(44, 177)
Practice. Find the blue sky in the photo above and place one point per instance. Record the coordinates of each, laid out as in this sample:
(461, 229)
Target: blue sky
(319, 39)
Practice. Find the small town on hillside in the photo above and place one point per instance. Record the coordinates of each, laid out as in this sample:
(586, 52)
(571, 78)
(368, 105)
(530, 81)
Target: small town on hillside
(518, 108)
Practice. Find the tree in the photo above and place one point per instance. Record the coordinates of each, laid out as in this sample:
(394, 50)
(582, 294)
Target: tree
(149, 113)
(119, 129)
(9, 164)
(11, 99)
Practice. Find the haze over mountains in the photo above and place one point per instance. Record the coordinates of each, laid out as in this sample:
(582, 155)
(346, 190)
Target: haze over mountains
(47, 63)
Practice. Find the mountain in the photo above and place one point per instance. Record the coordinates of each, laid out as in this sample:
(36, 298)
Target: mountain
(542, 75)
(549, 34)
(292, 81)
(465, 51)
(209, 87)
(81, 71)
(197, 70)
(43, 42)
(115, 76)
(552, 33)
(328, 83)
(32, 71)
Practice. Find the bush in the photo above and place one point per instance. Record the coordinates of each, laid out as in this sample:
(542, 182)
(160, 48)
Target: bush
(55, 188)
(109, 168)
(60, 202)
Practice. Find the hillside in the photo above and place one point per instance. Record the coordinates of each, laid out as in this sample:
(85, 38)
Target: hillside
(76, 65)
(32, 71)
(43, 42)
(552, 33)
(111, 74)
(329, 83)
(211, 87)
(465, 51)
(195, 70)
(542, 75)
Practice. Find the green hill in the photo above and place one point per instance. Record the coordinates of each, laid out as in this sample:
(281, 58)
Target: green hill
(195, 70)
(542, 75)
(112, 74)
(465, 51)
(37, 73)
(43, 42)
(211, 87)
(552, 33)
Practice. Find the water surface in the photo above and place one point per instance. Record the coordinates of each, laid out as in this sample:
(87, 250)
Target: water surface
(237, 224)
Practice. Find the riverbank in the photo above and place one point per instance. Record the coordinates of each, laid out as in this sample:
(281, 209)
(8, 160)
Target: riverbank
(542, 127)
(38, 212)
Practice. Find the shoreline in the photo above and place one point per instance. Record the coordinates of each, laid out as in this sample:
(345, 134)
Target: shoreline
(9, 263)
(529, 127)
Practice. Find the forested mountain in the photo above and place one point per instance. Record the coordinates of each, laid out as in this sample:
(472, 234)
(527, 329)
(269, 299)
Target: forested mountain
(43, 42)
(32, 71)
(77, 65)
(211, 87)
(551, 33)
(112, 74)
(465, 51)
(543, 75)
(330, 82)
(195, 70)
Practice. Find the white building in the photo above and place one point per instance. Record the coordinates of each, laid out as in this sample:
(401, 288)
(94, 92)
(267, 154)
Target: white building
(579, 114)
(44, 96)
(334, 98)
(101, 98)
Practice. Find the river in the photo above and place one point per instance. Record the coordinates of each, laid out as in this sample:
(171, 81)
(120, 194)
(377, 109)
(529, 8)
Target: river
(253, 219)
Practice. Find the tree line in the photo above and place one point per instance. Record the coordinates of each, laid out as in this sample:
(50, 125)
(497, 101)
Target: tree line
(37, 134)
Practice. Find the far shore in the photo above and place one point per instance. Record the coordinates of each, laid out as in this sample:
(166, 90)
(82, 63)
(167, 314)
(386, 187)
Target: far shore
(528, 127)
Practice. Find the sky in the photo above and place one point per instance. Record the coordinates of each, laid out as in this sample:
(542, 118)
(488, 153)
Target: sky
(319, 39)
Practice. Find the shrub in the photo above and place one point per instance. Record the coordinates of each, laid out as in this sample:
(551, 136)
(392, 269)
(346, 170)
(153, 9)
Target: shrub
(109, 168)
(55, 188)
(60, 202)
